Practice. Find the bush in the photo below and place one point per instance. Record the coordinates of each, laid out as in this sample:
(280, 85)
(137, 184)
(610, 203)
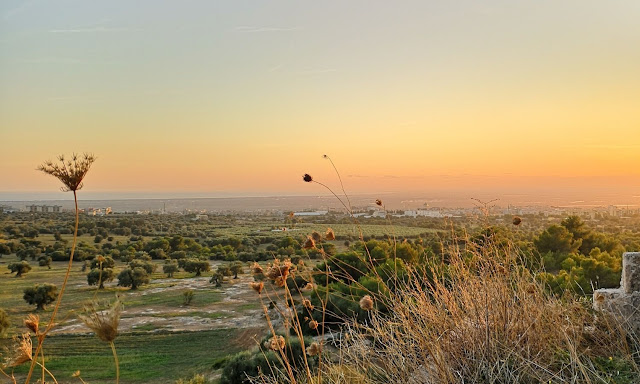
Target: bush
(188, 296)
(41, 295)
(19, 268)
(133, 278)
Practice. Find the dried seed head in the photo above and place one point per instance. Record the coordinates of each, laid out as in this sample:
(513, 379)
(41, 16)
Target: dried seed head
(103, 323)
(33, 323)
(258, 287)
(330, 235)
(276, 343)
(316, 236)
(366, 303)
(275, 271)
(314, 349)
(76, 374)
(69, 172)
(307, 178)
(309, 244)
(379, 202)
(257, 269)
(279, 281)
(307, 304)
(23, 351)
(313, 324)
(516, 221)
(308, 287)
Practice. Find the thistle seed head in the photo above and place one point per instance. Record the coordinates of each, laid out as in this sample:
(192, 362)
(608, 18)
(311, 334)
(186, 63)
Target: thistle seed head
(307, 178)
(366, 303)
(257, 286)
(330, 235)
(314, 349)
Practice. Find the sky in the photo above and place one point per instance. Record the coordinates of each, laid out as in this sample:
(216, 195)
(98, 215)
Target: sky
(226, 98)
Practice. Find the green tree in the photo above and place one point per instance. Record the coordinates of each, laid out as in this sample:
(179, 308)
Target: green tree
(133, 277)
(170, 269)
(98, 277)
(197, 266)
(147, 266)
(236, 269)
(19, 268)
(41, 295)
(44, 261)
(556, 239)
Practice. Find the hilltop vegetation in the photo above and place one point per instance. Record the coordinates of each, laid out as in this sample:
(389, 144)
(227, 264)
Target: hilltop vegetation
(175, 272)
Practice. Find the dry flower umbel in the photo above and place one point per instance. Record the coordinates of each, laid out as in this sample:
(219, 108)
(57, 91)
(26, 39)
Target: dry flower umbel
(23, 351)
(70, 172)
(103, 323)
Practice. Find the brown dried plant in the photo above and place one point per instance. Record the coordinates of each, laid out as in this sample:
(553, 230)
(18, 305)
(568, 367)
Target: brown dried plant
(105, 325)
(71, 172)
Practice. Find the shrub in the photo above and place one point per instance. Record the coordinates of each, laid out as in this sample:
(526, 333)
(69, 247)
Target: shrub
(133, 277)
(41, 295)
(19, 268)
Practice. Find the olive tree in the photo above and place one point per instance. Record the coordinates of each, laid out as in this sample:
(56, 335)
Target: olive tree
(41, 295)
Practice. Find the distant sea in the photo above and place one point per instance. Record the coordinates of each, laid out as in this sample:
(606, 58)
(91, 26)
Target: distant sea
(392, 201)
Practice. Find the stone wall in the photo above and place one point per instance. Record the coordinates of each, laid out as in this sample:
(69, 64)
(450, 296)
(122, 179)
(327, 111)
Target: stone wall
(623, 302)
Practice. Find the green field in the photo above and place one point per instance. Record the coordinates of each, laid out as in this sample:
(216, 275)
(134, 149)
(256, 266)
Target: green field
(144, 357)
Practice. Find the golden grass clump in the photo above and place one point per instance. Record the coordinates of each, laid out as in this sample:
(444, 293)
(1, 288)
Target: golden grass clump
(483, 318)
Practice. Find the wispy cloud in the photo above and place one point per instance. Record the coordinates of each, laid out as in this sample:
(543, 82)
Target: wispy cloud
(317, 71)
(276, 68)
(249, 29)
(19, 9)
(50, 60)
(90, 30)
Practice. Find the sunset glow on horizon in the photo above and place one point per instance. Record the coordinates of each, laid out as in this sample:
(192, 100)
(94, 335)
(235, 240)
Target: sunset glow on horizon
(235, 98)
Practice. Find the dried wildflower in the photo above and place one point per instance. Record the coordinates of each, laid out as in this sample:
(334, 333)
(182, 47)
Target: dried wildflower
(33, 323)
(379, 202)
(257, 269)
(313, 324)
(275, 271)
(279, 281)
(307, 304)
(308, 287)
(366, 303)
(76, 374)
(309, 243)
(330, 235)
(258, 287)
(69, 172)
(276, 343)
(23, 351)
(516, 220)
(316, 236)
(307, 178)
(103, 323)
(314, 349)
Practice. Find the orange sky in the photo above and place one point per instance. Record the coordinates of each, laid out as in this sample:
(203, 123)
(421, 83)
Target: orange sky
(231, 98)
